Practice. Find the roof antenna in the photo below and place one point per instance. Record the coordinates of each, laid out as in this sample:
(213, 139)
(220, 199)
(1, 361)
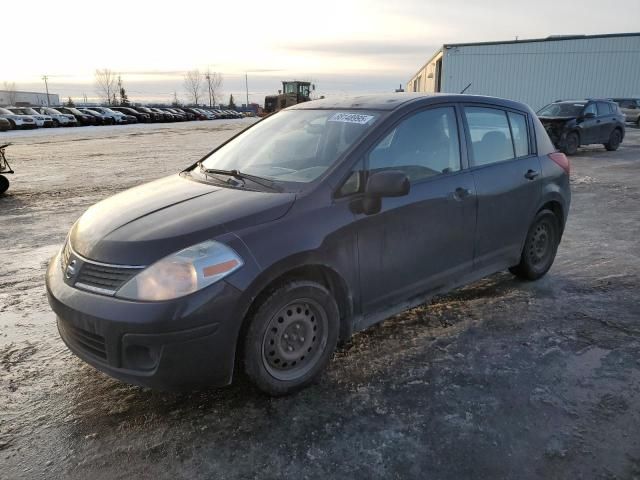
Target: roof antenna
(465, 88)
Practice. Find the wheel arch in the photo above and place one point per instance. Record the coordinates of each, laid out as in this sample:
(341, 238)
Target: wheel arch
(299, 269)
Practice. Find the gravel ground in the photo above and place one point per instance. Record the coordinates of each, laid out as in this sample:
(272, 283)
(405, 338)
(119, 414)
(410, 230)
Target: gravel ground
(501, 379)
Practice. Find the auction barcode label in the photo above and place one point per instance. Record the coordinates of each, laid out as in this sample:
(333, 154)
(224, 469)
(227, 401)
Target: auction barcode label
(350, 118)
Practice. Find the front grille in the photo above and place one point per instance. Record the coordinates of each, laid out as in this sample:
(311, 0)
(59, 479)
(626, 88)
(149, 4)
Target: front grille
(89, 342)
(102, 278)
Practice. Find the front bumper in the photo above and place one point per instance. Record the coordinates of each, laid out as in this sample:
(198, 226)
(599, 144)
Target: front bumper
(177, 344)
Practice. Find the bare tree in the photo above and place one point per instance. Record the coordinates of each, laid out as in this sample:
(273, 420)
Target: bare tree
(12, 94)
(193, 85)
(213, 82)
(106, 84)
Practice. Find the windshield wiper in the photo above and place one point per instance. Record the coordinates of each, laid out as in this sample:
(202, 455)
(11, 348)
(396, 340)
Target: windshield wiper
(242, 176)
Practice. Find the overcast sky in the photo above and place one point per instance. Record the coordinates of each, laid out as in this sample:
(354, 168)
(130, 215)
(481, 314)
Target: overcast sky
(343, 46)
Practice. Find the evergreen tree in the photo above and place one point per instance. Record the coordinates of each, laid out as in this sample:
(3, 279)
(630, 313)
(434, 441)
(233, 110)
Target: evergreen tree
(70, 103)
(232, 104)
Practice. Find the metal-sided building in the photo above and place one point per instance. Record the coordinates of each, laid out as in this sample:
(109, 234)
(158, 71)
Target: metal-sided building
(18, 98)
(537, 71)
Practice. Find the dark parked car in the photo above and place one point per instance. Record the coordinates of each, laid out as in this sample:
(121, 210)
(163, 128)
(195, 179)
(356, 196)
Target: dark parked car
(630, 108)
(101, 118)
(139, 116)
(198, 115)
(154, 116)
(82, 118)
(583, 122)
(313, 223)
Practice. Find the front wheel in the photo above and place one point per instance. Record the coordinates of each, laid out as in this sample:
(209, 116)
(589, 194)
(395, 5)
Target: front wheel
(4, 184)
(614, 141)
(571, 144)
(540, 247)
(291, 337)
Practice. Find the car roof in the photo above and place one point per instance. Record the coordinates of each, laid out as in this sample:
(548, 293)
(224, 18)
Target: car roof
(393, 101)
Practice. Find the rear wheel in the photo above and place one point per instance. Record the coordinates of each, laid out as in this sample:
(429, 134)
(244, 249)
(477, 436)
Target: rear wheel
(540, 247)
(291, 337)
(571, 144)
(4, 184)
(614, 141)
(56, 123)
(13, 125)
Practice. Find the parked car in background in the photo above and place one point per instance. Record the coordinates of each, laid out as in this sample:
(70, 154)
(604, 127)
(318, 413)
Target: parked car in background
(118, 117)
(166, 116)
(41, 120)
(182, 111)
(17, 120)
(179, 117)
(59, 119)
(101, 118)
(4, 125)
(83, 119)
(197, 115)
(141, 117)
(572, 123)
(153, 116)
(182, 281)
(630, 107)
(210, 115)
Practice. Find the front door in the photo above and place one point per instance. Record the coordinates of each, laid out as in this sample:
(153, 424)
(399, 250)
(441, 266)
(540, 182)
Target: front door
(589, 127)
(423, 240)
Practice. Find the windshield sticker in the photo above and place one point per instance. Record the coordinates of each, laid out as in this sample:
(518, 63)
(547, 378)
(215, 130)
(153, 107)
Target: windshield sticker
(351, 118)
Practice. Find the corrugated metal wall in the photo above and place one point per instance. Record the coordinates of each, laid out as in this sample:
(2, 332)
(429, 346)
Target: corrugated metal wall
(537, 73)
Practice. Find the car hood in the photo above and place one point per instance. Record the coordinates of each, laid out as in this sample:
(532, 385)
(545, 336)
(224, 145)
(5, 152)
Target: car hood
(143, 224)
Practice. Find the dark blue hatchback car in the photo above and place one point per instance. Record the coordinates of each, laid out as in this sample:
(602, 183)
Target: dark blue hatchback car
(311, 224)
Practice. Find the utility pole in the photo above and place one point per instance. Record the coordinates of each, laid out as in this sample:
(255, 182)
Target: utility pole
(246, 84)
(46, 86)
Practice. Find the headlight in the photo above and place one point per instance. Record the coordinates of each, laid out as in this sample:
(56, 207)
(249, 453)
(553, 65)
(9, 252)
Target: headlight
(182, 273)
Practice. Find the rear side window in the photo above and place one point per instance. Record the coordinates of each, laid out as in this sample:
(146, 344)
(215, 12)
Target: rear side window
(603, 109)
(490, 135)
(520, 133)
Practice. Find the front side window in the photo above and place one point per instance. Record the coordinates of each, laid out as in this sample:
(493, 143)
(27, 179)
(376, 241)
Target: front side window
(591, 108)
(294, 145)
(424, 145)
(490, 135)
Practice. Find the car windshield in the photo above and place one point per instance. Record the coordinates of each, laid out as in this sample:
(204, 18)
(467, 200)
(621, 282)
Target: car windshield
(52, 111)
(563, 109)
(4, 111)
(75, 111)
(30, 111)
(294, 145)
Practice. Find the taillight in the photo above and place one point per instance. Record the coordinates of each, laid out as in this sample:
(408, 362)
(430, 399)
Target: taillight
(562, 160)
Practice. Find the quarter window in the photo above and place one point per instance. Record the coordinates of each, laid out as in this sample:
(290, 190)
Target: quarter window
(520, 133)
(591, 108)
(424, 145)
(490, 135)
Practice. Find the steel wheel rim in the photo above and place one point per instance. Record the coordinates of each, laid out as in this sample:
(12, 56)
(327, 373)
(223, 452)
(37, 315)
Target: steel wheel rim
(540, 244)
(295, 338)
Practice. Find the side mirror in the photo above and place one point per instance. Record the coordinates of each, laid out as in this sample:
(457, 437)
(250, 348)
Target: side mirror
(589, 115)
(388, 183)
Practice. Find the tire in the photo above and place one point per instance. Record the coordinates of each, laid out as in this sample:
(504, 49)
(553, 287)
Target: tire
(13, 125)
(291, 337)
(4, 184)
(614, 141)
(571, 144)
(540, 247)
(56, 123)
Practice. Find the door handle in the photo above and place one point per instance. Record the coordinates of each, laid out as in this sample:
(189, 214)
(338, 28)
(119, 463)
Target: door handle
(460, 193)
(531, 174)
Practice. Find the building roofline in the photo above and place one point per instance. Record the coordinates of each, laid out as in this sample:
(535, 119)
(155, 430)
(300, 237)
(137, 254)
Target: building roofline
(552, 38)
(440, 50)
(22, 91)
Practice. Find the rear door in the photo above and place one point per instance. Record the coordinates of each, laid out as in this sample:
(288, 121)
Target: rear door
(507, 174)
(607, 121)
